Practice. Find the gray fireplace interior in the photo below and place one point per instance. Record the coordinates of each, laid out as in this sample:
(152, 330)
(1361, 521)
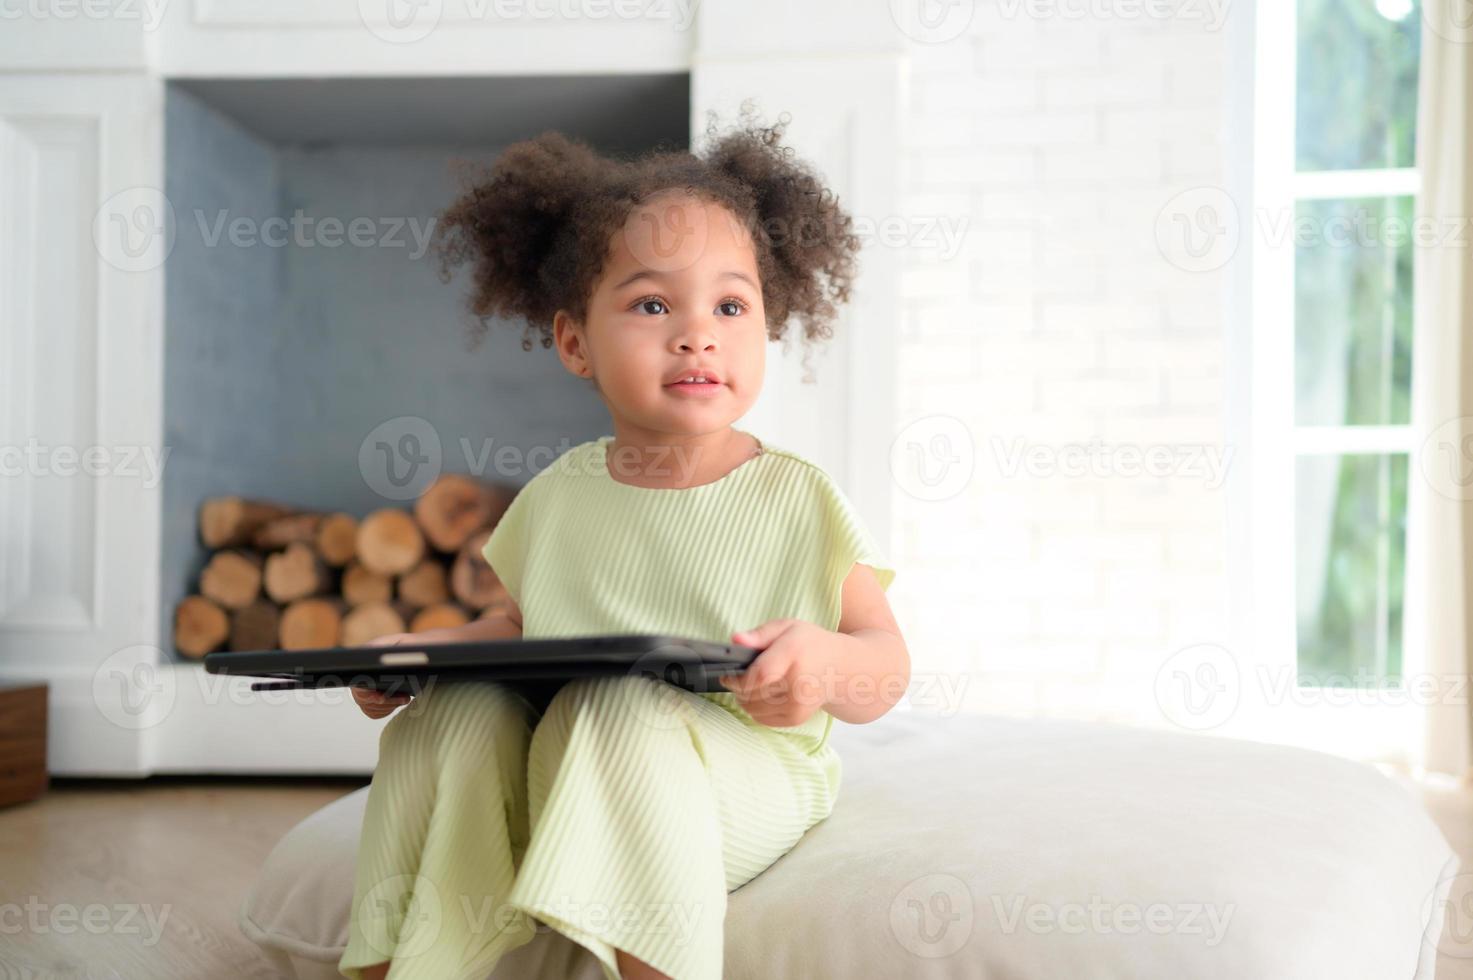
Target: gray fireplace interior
(288, 342)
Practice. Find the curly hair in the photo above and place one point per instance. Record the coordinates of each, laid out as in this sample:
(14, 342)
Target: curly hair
(537, 225)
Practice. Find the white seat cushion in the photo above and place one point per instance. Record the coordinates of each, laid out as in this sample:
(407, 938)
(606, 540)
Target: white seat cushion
(986, 847)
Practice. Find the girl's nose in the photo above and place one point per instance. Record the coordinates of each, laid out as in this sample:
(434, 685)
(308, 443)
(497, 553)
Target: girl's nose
(696, 336)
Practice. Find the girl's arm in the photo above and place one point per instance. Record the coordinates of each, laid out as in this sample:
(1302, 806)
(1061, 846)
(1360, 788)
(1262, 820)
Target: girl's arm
(871, 660)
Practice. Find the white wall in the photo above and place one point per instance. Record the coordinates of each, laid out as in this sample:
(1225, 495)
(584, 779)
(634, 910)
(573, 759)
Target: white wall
(1059, 140)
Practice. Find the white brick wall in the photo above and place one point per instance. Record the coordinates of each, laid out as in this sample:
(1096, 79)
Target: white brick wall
(1059, 140)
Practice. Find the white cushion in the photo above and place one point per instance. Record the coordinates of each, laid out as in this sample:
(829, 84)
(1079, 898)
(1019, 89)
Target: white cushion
(988, 847)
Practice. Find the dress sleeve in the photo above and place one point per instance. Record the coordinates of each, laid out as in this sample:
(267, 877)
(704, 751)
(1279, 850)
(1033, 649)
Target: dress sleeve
(507, 548)
(847, 539)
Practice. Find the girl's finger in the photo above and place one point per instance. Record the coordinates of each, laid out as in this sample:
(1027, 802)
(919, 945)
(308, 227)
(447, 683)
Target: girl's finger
(743, 685)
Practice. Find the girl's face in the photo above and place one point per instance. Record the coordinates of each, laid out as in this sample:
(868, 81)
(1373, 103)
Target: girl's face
(679, 296)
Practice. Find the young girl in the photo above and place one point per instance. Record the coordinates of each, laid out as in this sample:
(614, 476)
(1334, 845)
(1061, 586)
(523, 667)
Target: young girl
(621, 811)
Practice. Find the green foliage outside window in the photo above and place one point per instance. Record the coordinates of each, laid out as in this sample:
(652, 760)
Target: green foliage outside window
(1356, 96)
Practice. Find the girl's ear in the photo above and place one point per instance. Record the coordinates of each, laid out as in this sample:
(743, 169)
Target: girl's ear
(568, 338)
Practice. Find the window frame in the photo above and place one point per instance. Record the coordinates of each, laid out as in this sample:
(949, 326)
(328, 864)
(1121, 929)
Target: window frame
(1383, 723)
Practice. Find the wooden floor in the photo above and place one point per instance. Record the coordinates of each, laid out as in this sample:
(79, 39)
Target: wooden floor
(166, 862)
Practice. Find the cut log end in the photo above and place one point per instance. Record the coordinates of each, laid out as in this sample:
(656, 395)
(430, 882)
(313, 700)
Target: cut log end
(282, 531)
(337, 539)
(228, 522)
(455, 506)
(362, 584)
(445, 615)
(256, 626)
(296, 573)
(232, 578)
(426, 584)
(390, 542)
(373, 620)
(200, 626)
(472, 580)
(311, 623)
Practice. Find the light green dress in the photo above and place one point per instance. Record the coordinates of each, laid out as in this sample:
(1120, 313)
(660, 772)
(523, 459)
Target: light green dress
(623, 810)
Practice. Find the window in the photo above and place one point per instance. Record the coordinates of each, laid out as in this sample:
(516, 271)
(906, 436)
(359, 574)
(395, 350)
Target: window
(1353, 190)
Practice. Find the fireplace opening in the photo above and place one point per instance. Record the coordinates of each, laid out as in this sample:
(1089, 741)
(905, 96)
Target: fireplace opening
(313, 358)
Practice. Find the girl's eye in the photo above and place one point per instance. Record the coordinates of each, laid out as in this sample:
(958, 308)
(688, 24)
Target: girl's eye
(644, 304)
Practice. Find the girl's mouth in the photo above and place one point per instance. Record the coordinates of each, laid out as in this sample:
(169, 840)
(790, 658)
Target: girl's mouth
(696, 389)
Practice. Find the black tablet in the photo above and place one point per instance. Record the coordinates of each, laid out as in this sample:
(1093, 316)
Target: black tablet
(405, 668)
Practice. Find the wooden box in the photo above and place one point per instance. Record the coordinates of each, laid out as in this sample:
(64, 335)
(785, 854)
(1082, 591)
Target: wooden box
(22, 742)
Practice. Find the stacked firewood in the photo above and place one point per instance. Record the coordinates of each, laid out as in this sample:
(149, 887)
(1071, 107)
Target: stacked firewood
(280, 578)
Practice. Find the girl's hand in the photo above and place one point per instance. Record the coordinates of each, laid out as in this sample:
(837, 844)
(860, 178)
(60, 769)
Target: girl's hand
(374, 703)
(784, 685)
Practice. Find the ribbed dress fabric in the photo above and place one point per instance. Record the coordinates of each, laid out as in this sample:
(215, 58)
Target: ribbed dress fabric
(618, 811)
